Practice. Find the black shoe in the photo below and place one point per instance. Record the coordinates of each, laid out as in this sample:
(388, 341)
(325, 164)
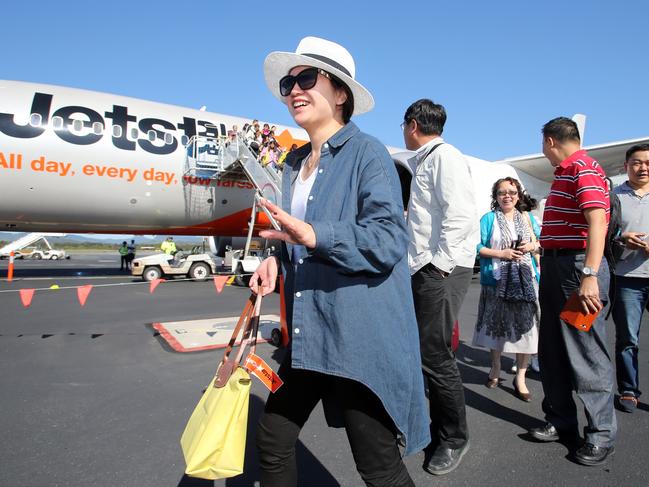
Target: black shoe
(592, 455)
(445, 460)
(546, 433)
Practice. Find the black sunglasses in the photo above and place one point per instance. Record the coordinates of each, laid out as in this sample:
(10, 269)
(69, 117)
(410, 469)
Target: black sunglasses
(305, 79)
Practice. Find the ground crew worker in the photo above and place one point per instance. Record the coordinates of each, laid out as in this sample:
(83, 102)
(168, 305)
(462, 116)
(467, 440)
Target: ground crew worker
(169, 246)
(123, 253)
(131, 254)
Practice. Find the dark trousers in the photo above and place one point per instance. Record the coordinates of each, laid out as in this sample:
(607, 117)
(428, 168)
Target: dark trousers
(370, 430)
(573, 360)
(437, 303)
(123, 264)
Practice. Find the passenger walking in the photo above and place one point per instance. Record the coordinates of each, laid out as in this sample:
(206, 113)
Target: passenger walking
(632, 274)
(573, 235)
(508, 311)
(443, 228)
(349, 308)
(123, 254)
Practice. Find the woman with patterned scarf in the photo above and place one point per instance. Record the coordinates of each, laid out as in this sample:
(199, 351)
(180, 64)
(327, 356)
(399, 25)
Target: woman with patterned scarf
(508, 313)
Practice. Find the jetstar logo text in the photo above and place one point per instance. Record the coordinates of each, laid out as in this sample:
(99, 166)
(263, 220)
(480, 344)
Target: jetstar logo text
(71, 128)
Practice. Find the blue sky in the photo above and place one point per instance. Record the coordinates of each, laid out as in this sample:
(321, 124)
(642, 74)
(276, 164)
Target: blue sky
(501, 68)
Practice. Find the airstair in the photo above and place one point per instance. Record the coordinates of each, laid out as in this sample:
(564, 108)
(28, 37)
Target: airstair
(26, 241)
(228, 159)
(231, 159)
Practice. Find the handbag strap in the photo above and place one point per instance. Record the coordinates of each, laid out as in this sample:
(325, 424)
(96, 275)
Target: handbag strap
(530, 226)
(249, 316)
(535, 254)
(250, 338)
(244, 318)
(227, 365)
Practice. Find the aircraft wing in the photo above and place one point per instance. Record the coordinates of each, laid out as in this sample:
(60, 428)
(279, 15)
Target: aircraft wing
(610, 156)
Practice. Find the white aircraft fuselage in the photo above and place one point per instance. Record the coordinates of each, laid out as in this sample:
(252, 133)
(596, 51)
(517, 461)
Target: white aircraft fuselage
(77, 161)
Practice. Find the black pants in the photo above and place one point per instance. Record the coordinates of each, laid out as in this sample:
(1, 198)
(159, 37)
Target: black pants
(573, 360)
(370, 430)
(437, 303)
(123, 264)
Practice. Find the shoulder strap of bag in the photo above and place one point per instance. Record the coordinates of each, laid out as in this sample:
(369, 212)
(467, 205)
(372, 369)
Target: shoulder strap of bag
(535, 255)
(244, 318)
(228, 365)
(250, 336)
(431, 151)
(530, 225)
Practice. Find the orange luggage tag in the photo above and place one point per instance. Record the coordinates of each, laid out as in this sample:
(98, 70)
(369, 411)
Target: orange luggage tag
(254, 363)
(260, 369)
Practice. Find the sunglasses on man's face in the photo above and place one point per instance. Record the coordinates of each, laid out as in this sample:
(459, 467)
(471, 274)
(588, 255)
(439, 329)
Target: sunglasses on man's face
(305, 79)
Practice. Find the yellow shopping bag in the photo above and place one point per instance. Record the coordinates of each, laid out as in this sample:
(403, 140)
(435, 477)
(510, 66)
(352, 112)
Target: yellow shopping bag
(214, 440)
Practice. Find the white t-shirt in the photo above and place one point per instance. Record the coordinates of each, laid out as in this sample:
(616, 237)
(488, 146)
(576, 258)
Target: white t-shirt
(301, 193)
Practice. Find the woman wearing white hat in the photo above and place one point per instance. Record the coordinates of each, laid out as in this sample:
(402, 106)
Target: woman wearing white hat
(354, 340)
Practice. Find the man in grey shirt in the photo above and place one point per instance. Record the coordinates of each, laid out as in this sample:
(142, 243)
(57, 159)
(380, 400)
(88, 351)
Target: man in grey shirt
(632, 273)
(443, 230)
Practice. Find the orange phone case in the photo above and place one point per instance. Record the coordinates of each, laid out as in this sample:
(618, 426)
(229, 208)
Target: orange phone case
(574, 315)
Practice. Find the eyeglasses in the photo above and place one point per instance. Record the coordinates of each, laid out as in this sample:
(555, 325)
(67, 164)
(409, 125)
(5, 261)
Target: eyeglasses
(511, 192)
(305, 79)
(403, 124)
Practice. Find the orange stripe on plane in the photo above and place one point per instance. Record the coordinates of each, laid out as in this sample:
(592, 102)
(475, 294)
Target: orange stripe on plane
(234, 225)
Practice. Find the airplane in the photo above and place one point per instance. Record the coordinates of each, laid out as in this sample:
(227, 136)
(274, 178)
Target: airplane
(78, 161)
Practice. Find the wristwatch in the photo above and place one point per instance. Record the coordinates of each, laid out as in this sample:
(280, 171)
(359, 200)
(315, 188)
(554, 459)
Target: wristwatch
(589, 271)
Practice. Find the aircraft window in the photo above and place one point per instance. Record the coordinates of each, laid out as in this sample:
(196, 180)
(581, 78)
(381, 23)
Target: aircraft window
(169, 139)
(57, 122)
(184, 140)
(35, 120)
(77, 125)
(134, 133)
(151, 135)
(97, 128)
(117, 131)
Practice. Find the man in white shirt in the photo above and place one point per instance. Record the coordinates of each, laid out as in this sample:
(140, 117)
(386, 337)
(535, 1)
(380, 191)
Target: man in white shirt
(443, 227)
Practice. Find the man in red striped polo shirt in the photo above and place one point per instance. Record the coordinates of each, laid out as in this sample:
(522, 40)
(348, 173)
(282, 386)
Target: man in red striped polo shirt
(574, 231)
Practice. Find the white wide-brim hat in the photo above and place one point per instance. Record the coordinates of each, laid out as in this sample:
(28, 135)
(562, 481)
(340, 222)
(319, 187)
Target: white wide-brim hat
(323, 54)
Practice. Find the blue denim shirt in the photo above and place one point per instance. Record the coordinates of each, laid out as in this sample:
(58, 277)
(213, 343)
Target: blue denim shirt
(349, 302)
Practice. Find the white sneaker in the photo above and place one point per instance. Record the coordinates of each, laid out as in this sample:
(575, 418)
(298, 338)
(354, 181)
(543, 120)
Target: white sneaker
(514, 369)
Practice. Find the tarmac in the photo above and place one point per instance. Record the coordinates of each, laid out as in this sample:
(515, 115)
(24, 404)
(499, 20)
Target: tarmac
(93, 395)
